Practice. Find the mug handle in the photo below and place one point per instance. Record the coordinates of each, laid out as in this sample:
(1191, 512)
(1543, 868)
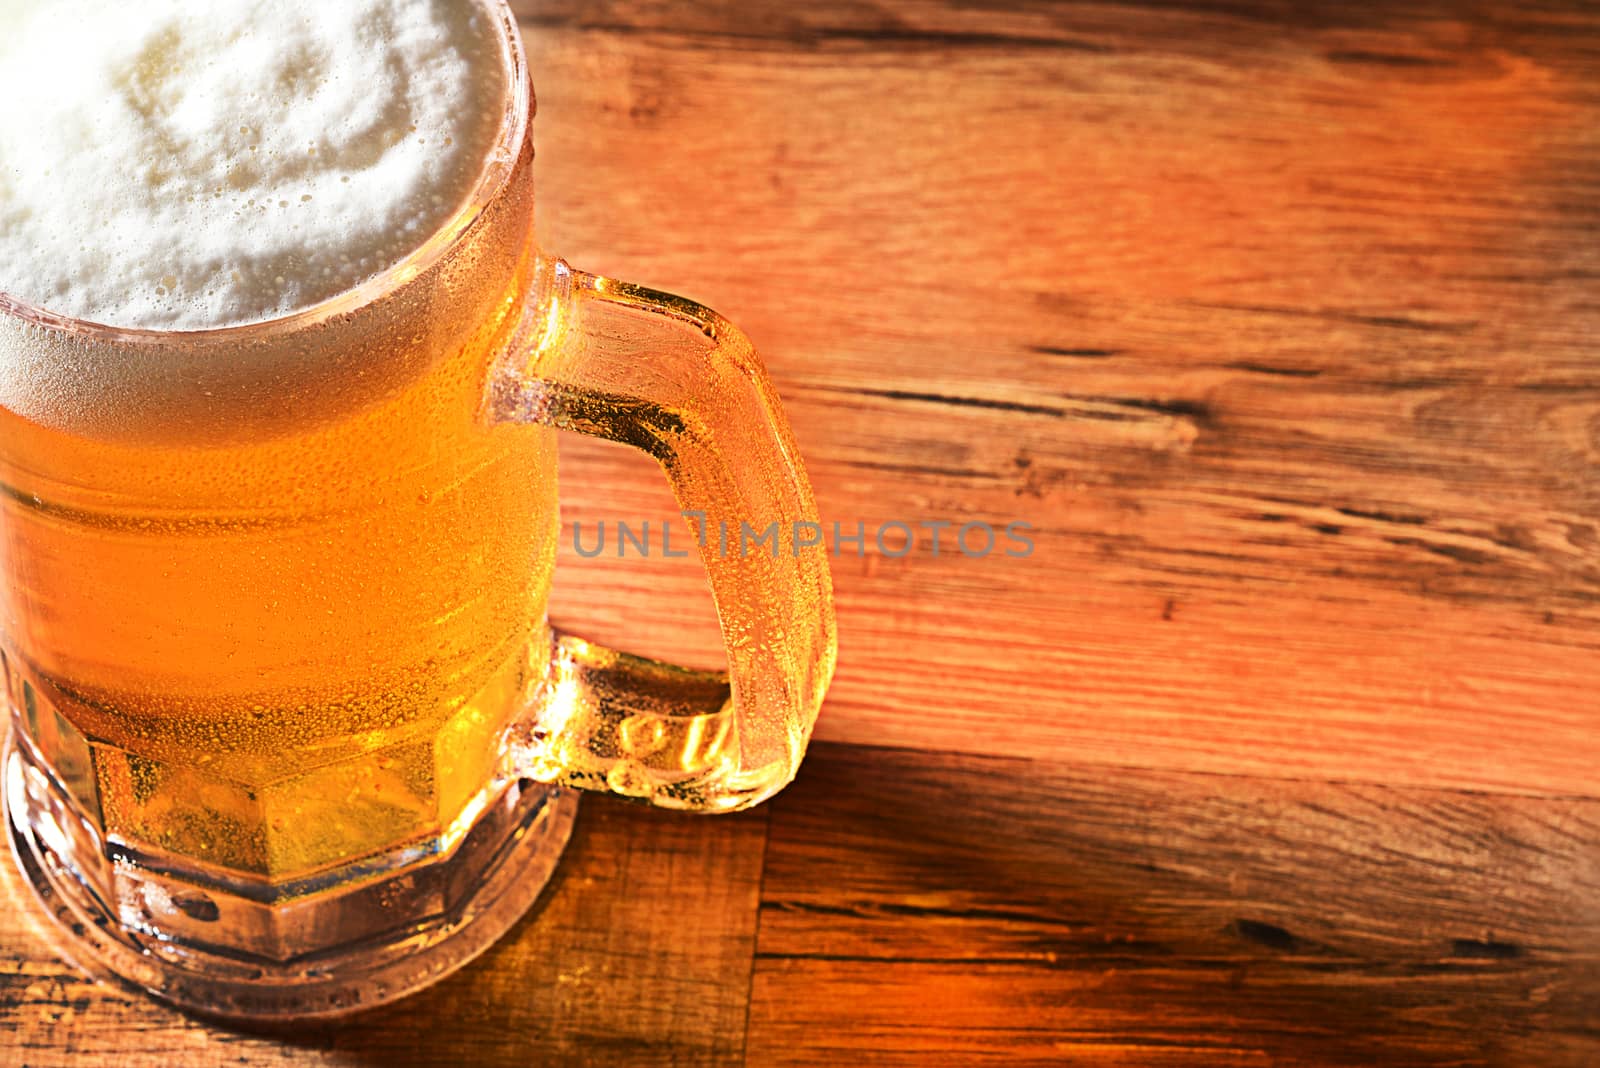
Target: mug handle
(678, 381)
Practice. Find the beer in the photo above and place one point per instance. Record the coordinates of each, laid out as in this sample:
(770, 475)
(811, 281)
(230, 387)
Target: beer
(314, 677)
(281, 365)
(270, 604)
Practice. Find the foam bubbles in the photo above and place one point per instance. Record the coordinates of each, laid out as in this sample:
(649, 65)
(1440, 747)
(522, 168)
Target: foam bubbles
(183, 164)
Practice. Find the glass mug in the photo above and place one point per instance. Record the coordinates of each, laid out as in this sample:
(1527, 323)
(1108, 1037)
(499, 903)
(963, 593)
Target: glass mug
(290, 733)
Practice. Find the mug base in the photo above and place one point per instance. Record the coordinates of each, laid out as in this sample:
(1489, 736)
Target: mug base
(387, 932)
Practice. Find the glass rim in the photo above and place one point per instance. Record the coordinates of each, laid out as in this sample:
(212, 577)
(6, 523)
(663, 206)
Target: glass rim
(498, 166)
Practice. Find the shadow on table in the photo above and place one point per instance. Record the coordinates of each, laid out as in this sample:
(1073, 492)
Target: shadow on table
(922, 908)
(945, 909)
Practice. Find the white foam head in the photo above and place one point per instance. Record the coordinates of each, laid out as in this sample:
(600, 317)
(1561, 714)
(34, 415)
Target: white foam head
(189, 164)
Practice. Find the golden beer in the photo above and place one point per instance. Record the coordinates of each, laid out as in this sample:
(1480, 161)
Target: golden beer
(276, 653)
(290, 730)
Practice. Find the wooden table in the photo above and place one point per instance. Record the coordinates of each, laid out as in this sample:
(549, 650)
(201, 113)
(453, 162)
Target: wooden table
(1276, 321)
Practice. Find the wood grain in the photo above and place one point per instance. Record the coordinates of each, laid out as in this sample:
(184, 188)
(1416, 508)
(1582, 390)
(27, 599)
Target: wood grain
(923, 908)
(1275, 320)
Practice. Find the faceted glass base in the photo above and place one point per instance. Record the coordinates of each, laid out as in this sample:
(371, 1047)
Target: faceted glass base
(351, 939)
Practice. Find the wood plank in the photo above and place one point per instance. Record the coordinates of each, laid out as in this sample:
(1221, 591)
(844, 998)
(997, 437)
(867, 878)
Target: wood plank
(1274, 320)
(638, 954)
(923, 908)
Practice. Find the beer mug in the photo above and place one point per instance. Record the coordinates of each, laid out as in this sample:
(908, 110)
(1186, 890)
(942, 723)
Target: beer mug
(290, 734)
